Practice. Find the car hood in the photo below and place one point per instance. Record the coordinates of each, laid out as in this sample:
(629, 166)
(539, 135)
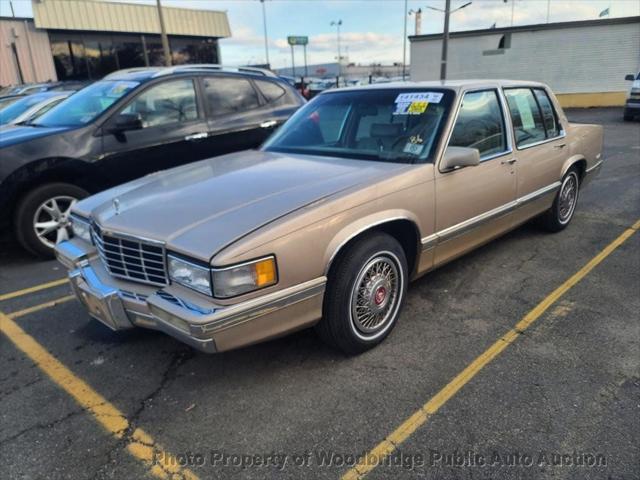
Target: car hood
(199, 209)
(12, 134)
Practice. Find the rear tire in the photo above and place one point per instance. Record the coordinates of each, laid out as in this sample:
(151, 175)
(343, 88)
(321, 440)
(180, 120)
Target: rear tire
(365, 293)
(561, 212)
(42, 217)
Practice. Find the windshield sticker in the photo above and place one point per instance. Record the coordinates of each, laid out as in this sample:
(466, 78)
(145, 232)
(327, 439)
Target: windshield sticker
(430, 97)
(411, 108)
(413, 148)
(121, 87)
(416, 139)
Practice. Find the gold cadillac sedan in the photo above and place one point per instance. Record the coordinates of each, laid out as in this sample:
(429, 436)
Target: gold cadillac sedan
(361, 191)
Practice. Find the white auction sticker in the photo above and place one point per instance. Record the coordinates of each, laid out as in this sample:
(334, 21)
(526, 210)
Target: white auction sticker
(430, 97)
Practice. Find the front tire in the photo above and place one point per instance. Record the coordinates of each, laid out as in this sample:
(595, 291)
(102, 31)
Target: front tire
(42, 217)
(365, 293)
(561, 212)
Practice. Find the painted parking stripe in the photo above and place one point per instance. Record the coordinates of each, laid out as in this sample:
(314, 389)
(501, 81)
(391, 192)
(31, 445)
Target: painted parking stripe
(42, 306)
(139, 444)
(387, 446)
(36, 288)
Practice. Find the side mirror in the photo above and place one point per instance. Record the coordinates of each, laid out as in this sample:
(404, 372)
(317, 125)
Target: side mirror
(458, 157)
(125, 122)
(630, 77)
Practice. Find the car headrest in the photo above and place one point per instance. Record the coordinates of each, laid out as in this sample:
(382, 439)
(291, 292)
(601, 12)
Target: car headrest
(386, 130)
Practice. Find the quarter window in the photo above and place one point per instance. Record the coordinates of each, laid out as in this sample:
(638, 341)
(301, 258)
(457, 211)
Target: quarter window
(229, 95)
(548, 113)
(165, 103)
(271, 90)
(480, 124)
(526, 116)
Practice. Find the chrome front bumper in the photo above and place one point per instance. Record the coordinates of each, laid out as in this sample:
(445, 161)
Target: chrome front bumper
(185, 316)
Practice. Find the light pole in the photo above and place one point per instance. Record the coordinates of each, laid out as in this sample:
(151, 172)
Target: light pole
(266, 38)
(337, 24)
(163, 34)
(445, 37)
(404, 43)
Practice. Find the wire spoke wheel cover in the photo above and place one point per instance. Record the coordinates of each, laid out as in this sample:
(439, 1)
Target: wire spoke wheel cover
(567, 198)
(376, 295)
(51, 220)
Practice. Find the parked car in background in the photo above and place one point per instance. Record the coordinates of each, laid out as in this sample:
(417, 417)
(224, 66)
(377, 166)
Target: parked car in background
(7, 100)
(30, 106)
(31, 88)
(361, 191)
(129, 124)
(632, 105)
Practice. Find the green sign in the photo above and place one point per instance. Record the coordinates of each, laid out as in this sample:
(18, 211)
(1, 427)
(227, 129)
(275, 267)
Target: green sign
(293, 40)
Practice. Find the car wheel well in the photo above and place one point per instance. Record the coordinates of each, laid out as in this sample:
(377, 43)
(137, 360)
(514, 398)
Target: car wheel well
(581, 165)
(404, 231)
(45, 171)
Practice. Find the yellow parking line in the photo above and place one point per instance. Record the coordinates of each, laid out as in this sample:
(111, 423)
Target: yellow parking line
(385, 448)
(42, 306)
(138, 443)
(36, 288)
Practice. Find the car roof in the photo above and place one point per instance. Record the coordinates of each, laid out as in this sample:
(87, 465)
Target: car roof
(456, 85)
(142, 74)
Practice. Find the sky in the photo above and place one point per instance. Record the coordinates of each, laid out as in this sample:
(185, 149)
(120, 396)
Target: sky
(371, 31)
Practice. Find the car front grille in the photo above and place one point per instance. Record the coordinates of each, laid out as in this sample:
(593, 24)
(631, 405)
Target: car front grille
(131, 258)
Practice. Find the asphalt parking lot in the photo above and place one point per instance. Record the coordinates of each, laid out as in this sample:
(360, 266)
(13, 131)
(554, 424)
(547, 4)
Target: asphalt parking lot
(559, 400)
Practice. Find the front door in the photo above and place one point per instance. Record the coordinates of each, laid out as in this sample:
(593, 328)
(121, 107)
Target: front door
(173, 132)
(474, 204)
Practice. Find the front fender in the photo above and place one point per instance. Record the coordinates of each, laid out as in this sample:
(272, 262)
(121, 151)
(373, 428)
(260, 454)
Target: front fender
(353, 229)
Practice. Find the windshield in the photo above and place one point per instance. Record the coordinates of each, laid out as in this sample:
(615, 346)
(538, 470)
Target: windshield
(393, 125)
(86, 104)
(17, 108)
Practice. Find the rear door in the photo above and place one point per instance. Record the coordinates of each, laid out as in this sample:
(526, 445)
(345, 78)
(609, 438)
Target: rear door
(173, 131)
(242, 111)
(541, 147)
(473, 204)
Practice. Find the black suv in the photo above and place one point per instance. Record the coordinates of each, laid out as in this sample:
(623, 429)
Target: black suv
(126, 125)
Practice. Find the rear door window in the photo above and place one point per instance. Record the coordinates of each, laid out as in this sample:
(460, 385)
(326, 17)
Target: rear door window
(225, 95)
(549, 116)
(526, 116)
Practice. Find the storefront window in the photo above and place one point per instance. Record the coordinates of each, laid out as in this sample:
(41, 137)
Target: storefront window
(93, 55)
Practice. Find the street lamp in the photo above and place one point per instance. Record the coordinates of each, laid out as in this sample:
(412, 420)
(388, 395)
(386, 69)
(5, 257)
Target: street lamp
(337, 24)
(264, 25)
(445, 38)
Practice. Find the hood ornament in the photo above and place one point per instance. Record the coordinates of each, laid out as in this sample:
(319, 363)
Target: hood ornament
(116, 206)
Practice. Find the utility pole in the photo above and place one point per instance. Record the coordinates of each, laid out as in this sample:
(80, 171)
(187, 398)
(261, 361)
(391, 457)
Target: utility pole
(13, 13)
(445, 37)
(445, 40)
(266, 38)
(293, 63)
(165, 39)
(404, 43)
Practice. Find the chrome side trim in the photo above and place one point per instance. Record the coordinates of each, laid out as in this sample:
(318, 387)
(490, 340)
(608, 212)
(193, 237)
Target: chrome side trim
(462, 227)
(591, 169)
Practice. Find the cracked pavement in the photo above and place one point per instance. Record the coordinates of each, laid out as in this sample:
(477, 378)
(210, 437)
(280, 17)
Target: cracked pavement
(570, 383)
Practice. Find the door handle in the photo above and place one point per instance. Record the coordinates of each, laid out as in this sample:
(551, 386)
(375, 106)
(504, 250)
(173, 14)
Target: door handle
(562, 145)
(511, 161)
(196, 136)
(268, 124)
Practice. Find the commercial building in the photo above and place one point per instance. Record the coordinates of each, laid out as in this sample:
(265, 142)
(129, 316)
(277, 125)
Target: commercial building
(86, 39)
(348, 70)
(583, 62)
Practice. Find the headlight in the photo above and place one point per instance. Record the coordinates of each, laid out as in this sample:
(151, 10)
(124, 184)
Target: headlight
(81, 228)
(189, 274)
(243, 278)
